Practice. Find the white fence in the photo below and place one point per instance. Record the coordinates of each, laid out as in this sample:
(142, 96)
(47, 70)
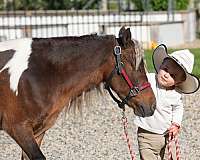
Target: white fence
(158, 27)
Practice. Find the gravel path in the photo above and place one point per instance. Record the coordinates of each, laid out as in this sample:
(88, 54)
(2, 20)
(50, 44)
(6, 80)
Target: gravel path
(96, 133)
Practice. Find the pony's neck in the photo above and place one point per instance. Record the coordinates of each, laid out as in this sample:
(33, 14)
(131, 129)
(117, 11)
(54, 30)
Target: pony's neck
(89, 67)
(62, 69)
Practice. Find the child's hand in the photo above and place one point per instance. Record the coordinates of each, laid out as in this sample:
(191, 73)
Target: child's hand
(174, 129)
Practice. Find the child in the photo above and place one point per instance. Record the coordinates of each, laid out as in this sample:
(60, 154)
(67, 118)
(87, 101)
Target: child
(173, 77)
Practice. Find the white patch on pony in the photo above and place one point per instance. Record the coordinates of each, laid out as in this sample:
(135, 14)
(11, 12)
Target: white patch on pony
(19, 62)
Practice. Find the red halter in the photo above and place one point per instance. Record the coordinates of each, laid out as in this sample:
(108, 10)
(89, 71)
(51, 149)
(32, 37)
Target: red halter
(125, 76)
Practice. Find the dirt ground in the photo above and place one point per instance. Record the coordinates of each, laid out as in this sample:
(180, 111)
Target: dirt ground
(97, 134)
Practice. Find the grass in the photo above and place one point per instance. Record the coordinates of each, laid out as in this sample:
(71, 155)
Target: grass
(195, 51)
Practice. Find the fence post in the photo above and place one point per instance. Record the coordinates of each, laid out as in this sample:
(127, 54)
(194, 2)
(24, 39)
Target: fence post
(104, 5)
(170, 11)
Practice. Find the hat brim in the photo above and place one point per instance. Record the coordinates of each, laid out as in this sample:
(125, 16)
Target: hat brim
(190, 85)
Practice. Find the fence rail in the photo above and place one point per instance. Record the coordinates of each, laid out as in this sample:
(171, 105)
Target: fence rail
(61, 23)
(145, 26)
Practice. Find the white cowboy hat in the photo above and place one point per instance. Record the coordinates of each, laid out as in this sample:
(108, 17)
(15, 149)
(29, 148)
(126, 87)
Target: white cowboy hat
(185, 59)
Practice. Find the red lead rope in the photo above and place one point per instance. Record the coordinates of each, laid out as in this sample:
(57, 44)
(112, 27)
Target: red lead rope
(125, 123)
(170, 141)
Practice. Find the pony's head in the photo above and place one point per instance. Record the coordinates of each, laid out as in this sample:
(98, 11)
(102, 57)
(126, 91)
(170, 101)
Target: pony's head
(128, 79)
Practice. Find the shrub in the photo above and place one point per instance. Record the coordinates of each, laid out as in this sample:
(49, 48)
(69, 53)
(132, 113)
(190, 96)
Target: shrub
(159, 5)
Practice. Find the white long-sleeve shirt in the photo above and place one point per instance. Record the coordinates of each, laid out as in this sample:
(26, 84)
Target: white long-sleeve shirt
(169, 108)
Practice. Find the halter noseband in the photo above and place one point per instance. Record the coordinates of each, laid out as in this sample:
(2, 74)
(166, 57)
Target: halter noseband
(119, 69)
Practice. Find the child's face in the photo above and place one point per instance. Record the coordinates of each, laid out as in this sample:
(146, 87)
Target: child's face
(170, 73)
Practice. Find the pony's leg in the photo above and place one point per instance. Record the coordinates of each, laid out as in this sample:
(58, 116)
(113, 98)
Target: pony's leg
(38, 140)
(23, 135)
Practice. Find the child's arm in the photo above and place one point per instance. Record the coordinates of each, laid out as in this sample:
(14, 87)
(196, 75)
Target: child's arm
(177, 114)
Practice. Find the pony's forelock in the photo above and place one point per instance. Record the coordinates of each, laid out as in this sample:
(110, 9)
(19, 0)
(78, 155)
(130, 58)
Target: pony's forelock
(139, 54)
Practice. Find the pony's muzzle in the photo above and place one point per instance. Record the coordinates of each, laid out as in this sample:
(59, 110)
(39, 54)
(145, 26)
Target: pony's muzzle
(145, 111)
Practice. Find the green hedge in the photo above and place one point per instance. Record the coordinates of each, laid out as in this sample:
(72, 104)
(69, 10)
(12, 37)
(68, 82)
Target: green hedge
(196, 52)
(160, 5)
(44, 4)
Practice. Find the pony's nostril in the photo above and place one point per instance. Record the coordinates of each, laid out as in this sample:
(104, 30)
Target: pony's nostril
(153, 106)
(147, 110)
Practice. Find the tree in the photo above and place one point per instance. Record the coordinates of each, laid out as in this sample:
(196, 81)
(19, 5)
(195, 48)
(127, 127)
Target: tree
(1, 4)
(160, 5)
(25, 4)
(35, 4)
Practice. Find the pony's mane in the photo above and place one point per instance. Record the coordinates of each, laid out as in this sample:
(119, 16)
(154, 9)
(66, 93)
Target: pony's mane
(86, 99)
(58, 52)
(75, 38)
(95, 36)
(139, 53)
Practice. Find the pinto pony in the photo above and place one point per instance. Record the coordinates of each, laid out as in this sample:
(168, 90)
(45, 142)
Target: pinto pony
(39, 76)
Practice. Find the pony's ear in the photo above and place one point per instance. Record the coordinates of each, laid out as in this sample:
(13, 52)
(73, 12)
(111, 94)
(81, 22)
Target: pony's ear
(124, 36)
(121, 31)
